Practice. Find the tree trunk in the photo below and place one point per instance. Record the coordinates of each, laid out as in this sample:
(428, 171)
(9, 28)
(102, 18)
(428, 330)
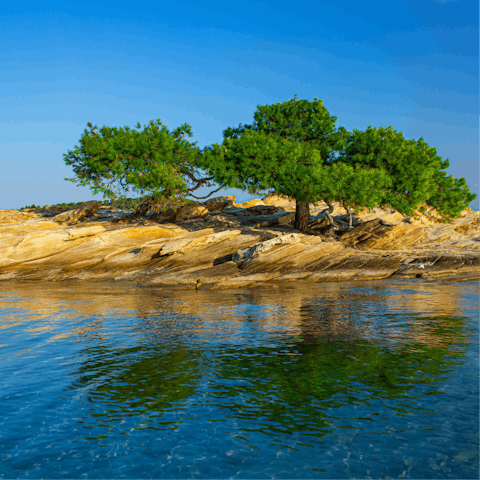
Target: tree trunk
(302, 216)
(328, 214)
(350, 216)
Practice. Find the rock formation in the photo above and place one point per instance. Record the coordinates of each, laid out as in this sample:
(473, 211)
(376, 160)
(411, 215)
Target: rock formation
(221, 244)
(83, 211)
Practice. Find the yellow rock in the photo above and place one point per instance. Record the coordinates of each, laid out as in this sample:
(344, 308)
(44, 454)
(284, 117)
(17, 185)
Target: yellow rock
(250, 203)
(400, 237)
(28, 227)
(214, 238)
(175, 246)
(286, 219)
(468, 224)
(246, 255)
(279, 200)
(219, 203)
(190, 211)
(178, 234)
(14, 216)
(34, 246)
(185, 212)
(82, 211)
(74, 233)
(197, 239)
(136, 235)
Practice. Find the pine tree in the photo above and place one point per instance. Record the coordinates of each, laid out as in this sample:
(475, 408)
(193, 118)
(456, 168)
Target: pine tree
(284, 152)
(151, 161)
(452, 195)
(414, 168)
(355, 188)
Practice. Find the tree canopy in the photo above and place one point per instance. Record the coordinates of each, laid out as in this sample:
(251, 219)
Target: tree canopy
(452, 195)
(415, 170)
(150, 161)
(290, 149)
(258, 162)
(354, 187)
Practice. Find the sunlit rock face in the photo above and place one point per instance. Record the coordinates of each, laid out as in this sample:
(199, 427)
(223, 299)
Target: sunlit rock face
(222, 244)
(82, 212)
(219, 203)
(279, 200)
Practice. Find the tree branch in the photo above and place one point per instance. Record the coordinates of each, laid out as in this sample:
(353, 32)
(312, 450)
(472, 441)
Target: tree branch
(211, 193)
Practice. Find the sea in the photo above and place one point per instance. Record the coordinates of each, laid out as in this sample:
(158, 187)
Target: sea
(346, 380)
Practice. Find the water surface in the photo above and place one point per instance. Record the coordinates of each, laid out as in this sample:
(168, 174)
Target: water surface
(338, 380)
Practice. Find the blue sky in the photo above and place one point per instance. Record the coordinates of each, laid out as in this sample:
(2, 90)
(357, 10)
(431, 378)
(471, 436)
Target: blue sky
(412, 64)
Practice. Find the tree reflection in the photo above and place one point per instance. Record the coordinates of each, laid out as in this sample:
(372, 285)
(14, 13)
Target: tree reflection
(138, 380)
(292, 388)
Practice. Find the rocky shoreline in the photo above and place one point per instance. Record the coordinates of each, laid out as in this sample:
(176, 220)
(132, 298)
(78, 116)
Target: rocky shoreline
(225, 245)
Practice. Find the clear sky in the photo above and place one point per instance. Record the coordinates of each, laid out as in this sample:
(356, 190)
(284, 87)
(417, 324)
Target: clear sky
(412, 64)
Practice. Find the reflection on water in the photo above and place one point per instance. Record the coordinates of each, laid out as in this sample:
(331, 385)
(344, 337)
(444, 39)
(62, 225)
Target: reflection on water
(343, 380)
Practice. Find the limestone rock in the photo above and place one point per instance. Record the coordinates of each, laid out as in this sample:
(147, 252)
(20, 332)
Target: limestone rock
(378, 235)
(15, 216)
(217, 204)
(190, 211)
(175, 246)
(319, 223)
(247, 254)
(279, 200)
(231, 253)
(258, 210)
(191, 240)
(216, 207)
(74, 233)
(386, 215)
(469, 223)
(56, 208)
(186, 212)
(287, 219)
(165, 216)
(79, 213)
(250, 203)
(398, 237)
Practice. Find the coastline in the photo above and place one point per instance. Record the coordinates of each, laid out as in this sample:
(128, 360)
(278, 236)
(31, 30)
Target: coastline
(243, 245)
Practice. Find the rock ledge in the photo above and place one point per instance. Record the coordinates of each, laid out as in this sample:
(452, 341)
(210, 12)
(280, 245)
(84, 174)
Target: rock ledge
(233, 245)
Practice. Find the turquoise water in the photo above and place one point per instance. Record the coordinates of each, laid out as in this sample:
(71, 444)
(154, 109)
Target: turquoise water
(341, 380)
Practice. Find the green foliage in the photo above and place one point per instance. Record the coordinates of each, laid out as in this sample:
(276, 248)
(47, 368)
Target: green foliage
(300, 121)
(259, 162)
(290, 149)
(123, 203)
(413, 166)
(452, 195)
(283, 151)
(355, 187)
(150, 161)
